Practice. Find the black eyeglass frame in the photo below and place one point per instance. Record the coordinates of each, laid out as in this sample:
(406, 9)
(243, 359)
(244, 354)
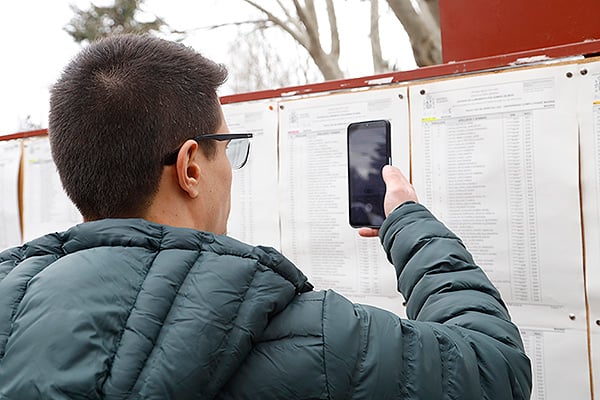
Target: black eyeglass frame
(171, 158)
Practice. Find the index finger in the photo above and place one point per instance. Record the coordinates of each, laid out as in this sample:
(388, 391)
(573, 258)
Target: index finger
(368, 232)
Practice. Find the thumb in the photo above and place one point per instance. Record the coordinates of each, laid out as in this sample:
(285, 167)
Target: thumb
(392, 176)
(398, 189)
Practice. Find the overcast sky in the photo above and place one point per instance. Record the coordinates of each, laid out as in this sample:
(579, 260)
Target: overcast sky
(34, 47)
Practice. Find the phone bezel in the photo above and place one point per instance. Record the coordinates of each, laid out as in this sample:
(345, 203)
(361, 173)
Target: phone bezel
(376, 123)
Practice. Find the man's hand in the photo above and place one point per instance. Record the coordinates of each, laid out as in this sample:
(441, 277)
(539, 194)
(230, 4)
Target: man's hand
(398, 191)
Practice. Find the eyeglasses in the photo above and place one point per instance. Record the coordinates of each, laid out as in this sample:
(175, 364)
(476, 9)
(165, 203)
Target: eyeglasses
(237, 149)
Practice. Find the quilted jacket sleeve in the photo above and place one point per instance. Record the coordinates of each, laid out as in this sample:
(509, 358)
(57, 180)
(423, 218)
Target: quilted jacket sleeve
(458, 343)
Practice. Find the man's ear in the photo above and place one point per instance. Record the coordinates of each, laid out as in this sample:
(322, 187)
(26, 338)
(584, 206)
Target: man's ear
(188, 168)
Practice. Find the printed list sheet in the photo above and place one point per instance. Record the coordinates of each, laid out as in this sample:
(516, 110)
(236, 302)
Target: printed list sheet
(254, 216)
(46, 207)
(495, 157)
(316, 233)
(10, 227)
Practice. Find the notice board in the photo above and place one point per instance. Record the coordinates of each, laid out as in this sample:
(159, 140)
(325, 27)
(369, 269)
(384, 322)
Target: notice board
(509, 159)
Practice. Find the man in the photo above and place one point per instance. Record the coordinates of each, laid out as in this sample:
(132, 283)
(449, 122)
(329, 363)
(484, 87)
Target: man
(148, 298)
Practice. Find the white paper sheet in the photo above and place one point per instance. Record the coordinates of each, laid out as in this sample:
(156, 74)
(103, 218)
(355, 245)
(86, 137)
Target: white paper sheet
(496, 158)
(316, 233)
(46, 207)
(589, 111)
(254, 216)
(556, 359)
(10, 225)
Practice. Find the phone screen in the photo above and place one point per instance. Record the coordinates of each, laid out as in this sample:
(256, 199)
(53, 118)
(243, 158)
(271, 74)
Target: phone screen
(368, 151)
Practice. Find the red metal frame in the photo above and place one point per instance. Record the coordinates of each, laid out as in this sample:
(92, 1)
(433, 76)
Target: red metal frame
(23, 135)
(587, 49)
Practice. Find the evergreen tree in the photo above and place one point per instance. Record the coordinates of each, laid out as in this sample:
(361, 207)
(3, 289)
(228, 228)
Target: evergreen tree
(97, 22)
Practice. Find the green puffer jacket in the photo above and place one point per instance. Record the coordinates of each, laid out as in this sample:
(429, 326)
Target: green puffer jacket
(127, 309)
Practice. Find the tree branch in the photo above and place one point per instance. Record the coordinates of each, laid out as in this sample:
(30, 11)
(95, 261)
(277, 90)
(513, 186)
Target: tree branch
(271, 17)
(307, 35)
(333, 29)
(311, 24)
(289, 16)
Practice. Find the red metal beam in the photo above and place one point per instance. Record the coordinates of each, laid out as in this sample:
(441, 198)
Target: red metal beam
(23, 135)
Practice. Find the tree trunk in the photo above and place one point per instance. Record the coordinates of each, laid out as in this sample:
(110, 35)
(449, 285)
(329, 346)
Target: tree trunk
(434, 8)
(379, 64)
(422, 29)
(328, 65)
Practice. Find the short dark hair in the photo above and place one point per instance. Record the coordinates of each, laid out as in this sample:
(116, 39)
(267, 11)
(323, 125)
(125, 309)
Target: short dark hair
(119, 107)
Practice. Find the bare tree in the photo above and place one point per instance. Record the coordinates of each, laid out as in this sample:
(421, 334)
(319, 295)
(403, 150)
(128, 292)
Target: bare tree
(258, 64)
(311, 24)
(28, 124)
(420, 19)
(301, 23)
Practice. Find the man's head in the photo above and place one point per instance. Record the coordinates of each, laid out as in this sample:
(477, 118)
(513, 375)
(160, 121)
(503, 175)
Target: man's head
(119, 108)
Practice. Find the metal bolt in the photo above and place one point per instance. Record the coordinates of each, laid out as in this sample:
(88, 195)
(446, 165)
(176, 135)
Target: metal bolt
(572, 317)
(422, 91)
(569, 74)
(583, 71)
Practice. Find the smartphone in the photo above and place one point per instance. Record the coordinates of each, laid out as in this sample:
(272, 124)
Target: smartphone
(369, 149)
